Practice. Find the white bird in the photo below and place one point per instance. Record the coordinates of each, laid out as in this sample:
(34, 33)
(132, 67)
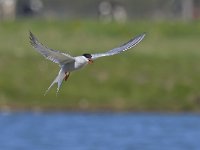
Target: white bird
(68, 63)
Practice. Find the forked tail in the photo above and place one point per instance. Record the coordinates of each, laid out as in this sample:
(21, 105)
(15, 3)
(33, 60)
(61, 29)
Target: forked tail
(61, 75)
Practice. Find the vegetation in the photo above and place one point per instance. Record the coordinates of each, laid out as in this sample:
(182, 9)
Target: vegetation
(162, 73)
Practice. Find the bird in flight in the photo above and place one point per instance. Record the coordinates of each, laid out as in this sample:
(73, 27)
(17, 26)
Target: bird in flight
(69, 63)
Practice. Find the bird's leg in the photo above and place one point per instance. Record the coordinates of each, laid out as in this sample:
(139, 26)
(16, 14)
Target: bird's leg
(66, 75)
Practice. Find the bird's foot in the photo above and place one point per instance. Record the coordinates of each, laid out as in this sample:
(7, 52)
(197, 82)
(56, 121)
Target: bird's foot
(66, 75)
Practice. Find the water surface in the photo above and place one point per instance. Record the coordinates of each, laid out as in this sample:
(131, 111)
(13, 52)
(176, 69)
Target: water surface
(99, 131)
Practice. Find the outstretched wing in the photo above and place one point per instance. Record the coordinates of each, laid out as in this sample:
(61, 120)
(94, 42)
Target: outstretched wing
(53, 55)
(131, 43)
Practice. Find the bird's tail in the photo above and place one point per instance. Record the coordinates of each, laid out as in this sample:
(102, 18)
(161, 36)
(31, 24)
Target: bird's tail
(58, 79)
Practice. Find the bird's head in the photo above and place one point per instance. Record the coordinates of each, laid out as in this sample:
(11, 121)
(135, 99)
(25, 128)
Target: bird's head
(89, 57)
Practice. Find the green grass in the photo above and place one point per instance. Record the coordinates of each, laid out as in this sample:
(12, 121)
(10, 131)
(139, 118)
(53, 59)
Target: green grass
(162, 73)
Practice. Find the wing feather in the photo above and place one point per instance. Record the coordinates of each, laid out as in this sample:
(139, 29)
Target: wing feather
(50, 54)
(131, 43)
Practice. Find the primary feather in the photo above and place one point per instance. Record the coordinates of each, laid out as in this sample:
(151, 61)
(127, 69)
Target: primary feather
(131, 43)
(53, 55)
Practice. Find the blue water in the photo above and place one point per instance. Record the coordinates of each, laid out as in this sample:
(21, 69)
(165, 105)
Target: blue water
(99, 131)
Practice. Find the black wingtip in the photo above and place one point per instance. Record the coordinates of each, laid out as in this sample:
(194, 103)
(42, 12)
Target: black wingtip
(32, 39)
(31, 36)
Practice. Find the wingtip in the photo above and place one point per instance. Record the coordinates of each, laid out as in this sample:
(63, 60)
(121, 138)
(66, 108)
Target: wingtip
(143, 34)
(30, 34)
(32, 38)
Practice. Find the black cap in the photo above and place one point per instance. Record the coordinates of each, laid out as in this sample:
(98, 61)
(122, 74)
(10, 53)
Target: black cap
(87, 55)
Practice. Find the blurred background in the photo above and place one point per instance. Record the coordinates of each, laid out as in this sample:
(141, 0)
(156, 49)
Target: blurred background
(106, 10)
(160, 74)
(147, 98)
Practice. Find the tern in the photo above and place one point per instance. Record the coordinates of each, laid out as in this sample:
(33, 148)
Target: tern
(69, 63)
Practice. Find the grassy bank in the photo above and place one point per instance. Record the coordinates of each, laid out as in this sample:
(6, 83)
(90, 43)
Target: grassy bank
(162, 73)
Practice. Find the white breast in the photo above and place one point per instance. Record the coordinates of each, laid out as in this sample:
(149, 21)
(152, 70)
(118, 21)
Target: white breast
(80, 61)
